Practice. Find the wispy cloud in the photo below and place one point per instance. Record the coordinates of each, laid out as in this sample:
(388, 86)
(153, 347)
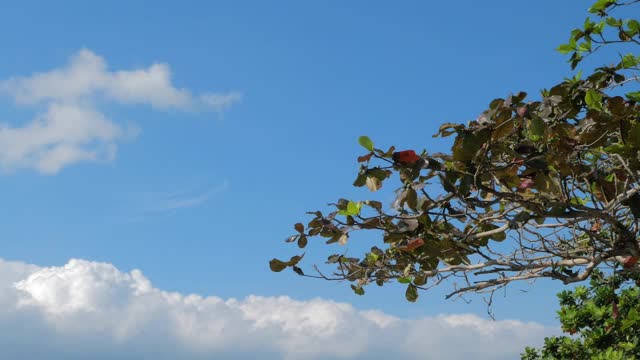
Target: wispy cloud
(89, 310)
(72, 129)
(186, 198)
(220, 102)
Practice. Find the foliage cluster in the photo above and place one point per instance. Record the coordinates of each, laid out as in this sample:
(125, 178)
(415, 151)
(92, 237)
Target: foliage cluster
(603, 321)
(544, 187)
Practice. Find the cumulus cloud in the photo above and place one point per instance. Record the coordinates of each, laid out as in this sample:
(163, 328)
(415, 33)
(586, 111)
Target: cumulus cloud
(87, 76)
(93, 310)
(73, 129)
(62, 135)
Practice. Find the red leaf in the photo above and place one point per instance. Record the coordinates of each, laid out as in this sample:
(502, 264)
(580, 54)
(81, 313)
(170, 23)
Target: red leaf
(365, 158)
(615, 312)
(526, 183)
(414, 244)
(523, 111)
(406, 157)
(629, 261)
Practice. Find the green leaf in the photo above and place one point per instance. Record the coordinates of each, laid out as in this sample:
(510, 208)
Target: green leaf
(302, 241)
(634, 27)
(536, 129)
(617, 148)
(593, 99)
(360, 181)
(565, 49)
(372, 258)
(295, 260)
(634, 96)
(501, 236)
(626, 324)
(412, 293)
(420, 279)
(466, 146)
(573, 41)
(404, 280)
(600, 5)
(613, 22)
(378, 173)
(277, 265)
(354, 208)
(365, 142)
(585, 46)
(357, 289)
(448, 129)
(577, 200)
(588, 24)
(548, 185)
(629, 61)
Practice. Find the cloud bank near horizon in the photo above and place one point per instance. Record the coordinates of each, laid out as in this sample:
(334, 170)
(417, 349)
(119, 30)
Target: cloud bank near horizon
(72, 129)
(88, 309)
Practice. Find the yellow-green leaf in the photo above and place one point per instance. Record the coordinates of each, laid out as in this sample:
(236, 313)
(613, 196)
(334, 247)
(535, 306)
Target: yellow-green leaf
(365, 142)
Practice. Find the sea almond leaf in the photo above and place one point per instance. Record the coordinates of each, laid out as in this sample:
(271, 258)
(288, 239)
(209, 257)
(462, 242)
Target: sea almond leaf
(365, 158)
(373, 183)
(414, 244)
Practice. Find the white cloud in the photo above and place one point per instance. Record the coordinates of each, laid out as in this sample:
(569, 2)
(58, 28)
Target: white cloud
(63, 135)
(93, 310)
(73, 129)
(87, 77)
(220, 102)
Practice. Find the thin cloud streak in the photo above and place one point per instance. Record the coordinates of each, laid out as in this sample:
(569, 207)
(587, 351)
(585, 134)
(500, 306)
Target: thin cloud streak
(187, 199)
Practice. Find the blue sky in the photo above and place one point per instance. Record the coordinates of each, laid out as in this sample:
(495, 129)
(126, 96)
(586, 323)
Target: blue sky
(185, 139)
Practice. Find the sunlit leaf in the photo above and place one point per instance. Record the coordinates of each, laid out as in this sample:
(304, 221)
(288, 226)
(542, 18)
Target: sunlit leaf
(365, 142)
(373, 183)
(593, 99)
(343, 239)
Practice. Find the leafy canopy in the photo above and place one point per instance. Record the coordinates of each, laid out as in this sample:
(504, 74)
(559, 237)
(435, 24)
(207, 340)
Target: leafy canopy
(603, 319)
(544, 187)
